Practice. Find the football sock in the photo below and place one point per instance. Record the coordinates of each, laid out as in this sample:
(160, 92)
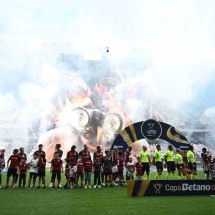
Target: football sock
(173, 176)
(156, 177)
(167, 176)
(147, 177)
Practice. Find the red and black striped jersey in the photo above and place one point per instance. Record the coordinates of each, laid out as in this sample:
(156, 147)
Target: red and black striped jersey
(80, 167)
(98, 155)
(59, 152)
(126, 156)
(23, 169)
(139, 168)
(84, 155)
(2, 164)
(56, 164)
(120, 164)
(38, 153)
(41, 164)
(72, 156)
(88, 165)
(14, 161)
(22, 156)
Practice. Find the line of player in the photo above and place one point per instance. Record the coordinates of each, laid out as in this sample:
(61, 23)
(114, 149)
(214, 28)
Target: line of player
(106, 167)
(186, 165)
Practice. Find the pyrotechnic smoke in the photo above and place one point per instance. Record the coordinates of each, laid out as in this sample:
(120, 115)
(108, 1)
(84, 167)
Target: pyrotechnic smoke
(161, 57)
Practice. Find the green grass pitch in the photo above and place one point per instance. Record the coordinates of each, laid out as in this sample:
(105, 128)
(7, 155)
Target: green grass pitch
(102, 201)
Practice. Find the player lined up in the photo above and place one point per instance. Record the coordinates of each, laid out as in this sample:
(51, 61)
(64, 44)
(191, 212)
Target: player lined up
(106, 168)
(79, 167)
(172, 162)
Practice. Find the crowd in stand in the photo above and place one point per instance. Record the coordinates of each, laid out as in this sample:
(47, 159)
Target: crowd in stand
(108, 167)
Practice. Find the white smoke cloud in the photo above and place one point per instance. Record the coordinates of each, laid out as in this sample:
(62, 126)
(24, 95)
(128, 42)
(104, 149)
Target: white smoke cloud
(209, 116)
(9, 103)
(173, 40)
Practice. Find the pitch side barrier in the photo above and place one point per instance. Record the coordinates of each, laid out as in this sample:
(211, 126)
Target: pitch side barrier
(170, 187)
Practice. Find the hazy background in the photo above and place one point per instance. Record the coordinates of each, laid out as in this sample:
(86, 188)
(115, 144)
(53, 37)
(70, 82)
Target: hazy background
(161, 61)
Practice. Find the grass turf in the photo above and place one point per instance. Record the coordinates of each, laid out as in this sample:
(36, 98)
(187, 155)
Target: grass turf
(98, 201)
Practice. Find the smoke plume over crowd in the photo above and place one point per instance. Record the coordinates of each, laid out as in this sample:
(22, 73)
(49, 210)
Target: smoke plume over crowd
(54, 59)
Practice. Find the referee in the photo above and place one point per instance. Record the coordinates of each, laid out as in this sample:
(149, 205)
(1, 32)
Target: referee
(192, 162)
(146, 161)
(169, 159)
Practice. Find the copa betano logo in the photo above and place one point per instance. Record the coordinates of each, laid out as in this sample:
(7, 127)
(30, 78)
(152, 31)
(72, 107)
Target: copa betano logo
(184, 187)
(151, 129)
(157, 187)
(172, 188)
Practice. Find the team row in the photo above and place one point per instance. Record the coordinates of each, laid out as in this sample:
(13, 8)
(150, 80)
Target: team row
(109, 166)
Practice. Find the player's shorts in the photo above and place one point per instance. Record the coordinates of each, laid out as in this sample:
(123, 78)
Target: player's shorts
(192, 166)
(107, 172)
(12, 171)
(56, 174)
(22, 175)
(180, 166)
(140, 174)
(170, 166)
(41, 174)
(72, 179)
(80, 174)
(120, 174)
(212, 174)
(33, 175)
(206, 168)
(146, 167)
(159, 166)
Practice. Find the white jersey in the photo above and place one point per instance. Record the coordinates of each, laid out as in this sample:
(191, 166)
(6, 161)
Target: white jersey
(73, 170)
(33, 165)
(130, 167)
